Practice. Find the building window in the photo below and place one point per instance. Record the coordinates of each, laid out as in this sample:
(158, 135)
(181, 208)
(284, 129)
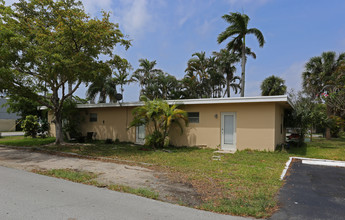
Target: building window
(193, 117)
(93, 117)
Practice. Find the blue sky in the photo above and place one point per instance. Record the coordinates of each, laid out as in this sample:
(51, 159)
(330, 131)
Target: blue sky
(170, 31)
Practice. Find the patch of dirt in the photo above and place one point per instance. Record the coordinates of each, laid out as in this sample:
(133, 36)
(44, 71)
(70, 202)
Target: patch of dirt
(108, 173)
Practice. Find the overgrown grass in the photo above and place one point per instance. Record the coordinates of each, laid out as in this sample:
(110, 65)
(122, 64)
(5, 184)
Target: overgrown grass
(89, 178)
(68, 174)
(25, 141)
(244, 183)
(137, 191)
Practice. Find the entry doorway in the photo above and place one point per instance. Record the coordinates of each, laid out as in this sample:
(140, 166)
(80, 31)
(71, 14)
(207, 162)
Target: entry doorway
(228, 131)
(140, 134)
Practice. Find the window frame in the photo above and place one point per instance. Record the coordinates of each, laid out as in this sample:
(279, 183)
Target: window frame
(93, 119)
(195, 119)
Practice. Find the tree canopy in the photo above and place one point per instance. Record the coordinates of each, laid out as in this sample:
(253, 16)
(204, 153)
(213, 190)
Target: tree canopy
(45, 44)
(273, 85)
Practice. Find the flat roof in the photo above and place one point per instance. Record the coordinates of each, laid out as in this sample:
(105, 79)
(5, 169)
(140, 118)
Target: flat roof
(256, 99)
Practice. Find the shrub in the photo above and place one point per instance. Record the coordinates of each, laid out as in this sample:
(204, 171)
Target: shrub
(155, 139)
(44, 127)
(30, 126)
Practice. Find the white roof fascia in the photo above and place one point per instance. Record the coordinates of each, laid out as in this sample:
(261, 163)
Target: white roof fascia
(256, 99)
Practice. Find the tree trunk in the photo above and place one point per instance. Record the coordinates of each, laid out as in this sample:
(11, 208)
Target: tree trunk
(311, 133)
(228, 85)
(328, 129)
(243, 80)
(58, 128)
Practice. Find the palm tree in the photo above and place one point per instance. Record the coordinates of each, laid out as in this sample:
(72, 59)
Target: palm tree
(198, 65)
(225, 61)
(162, 116)
(238, 29)
(105, 87)
(273, 85)
(146, 72)
(321, 76)
(120, 68)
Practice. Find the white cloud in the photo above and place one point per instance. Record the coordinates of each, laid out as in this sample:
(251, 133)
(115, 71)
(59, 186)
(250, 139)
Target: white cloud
(293, 76)
(185, 10)
(207, 26)
(95, 6)
(134, 16)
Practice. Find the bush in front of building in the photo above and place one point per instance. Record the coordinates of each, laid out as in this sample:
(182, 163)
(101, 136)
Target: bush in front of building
(30, 126)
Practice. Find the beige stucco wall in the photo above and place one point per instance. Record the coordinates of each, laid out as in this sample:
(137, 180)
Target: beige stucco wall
(7, 125)
(111, 123)
(255, 126)
(258, 125)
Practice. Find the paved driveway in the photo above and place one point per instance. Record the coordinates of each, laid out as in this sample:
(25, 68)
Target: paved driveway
(31, 196)
(312, 192)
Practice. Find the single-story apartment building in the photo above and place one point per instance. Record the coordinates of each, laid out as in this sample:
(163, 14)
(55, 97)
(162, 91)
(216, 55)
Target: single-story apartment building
(7, 120)
(231, 124)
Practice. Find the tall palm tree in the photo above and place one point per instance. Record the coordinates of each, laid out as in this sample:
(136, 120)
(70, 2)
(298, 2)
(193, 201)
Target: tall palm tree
(105, 87)
(238, 29)
(273, 85)
(146, 72)
(225, 61)
(321, 76)
(121, 67)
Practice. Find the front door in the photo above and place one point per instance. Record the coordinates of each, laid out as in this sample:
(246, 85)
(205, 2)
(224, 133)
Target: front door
(228, 131)
(140, 134)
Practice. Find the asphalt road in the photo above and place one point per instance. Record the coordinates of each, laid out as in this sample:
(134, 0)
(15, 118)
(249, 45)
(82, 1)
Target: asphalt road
(312, 192)
(25, 195)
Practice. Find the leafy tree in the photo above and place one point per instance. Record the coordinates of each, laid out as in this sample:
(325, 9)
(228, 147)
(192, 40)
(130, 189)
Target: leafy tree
(161, 115)
(189, 87)
(198, 65)
(225, 62)
(105, 87)
(306, 114)
(145, 73)
(216, 79)
(71, 116)
(323, 75)
(46, 44)
(238, 29)
(30, 126)
(197, 70)
(273, 85)
(162, 86)
(22, 106)
(121, 67)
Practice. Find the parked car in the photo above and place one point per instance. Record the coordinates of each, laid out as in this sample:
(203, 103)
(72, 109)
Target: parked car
(294, 137)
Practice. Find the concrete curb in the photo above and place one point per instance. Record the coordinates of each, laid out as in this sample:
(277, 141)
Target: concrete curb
(312, 161)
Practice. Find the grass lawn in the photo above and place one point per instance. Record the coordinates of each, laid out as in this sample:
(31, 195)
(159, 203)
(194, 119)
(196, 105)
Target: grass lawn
(322, 149)
(25, 141)
(244, 183)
